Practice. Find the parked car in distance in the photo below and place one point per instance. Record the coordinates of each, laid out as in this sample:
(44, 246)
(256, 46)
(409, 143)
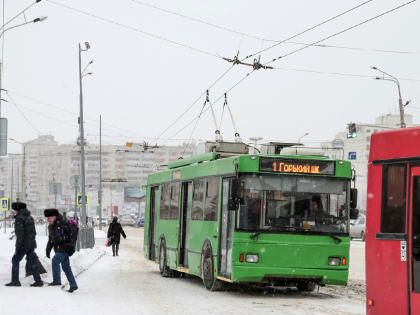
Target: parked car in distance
(358, 228)
(128, 221)
(140, 223)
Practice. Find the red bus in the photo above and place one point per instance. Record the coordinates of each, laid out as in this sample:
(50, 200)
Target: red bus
(393, 223)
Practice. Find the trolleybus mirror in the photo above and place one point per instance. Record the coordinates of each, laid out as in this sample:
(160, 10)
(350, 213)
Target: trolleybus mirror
(354, 214)
(353, 198)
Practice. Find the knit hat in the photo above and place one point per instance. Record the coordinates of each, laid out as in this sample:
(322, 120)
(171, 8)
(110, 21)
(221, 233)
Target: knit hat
(51, 213)
(18, 205)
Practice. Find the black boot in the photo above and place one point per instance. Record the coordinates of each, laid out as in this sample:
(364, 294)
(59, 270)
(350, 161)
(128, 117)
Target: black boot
(14, 284)
(71, 290)
(37, 284)
(53, 284)
(113, 249)
(118, 247)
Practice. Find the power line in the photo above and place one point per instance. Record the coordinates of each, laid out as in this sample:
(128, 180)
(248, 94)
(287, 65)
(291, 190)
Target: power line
(336, 34)
(109, 21)
(195, 102)
(342, 31)
(259, 38)
(23, 115)
(77, 115)
(310, 29)
(291, 37)
(354, 75)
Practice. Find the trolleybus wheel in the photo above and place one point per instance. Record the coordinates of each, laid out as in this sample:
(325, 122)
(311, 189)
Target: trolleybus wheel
(306, 286)
(207, 267)
(163, 267)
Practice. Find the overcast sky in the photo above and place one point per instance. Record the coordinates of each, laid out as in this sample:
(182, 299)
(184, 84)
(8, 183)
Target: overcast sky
(140, 84)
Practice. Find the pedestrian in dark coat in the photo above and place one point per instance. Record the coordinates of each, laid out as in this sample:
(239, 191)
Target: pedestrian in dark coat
(59, 238)
(25, 245)
(115, 231)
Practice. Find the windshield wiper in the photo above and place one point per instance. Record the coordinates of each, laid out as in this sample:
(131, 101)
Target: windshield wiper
(335, 238)
(255, 235)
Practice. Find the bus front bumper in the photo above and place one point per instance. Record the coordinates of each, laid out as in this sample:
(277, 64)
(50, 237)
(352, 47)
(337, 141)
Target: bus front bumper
(254, 274)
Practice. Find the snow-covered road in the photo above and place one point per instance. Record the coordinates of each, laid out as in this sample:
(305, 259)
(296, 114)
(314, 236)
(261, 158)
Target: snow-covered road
(129, 285)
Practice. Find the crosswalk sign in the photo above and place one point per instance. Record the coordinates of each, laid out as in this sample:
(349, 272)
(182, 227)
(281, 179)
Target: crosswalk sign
(80, 200)
(4, 204)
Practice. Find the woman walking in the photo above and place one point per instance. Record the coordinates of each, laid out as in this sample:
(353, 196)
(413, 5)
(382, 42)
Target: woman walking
(115, 231)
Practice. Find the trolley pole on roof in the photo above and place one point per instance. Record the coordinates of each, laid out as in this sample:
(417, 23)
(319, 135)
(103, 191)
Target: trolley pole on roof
(388, 77)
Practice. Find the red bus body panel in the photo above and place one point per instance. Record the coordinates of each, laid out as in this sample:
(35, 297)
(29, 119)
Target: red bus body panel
(388, 278)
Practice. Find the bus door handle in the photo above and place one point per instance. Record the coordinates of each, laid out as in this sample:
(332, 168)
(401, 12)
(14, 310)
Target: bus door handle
(215, 236)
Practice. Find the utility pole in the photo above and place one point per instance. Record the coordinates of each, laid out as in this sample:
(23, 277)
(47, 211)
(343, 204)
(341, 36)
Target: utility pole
(387, 77)
(82, 146)
(18, 185)
(23, 195)
(11, 183)
(100, 173)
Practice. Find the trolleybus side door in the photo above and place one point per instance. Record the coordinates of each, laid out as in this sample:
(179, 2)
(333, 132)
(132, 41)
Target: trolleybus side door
(226, 226)
(152, 221)
(186, 202)
(414, 242)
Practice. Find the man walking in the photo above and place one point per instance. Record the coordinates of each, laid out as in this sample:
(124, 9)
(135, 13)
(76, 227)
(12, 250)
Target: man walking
(60, 237)
(115, 231)
(25, 245)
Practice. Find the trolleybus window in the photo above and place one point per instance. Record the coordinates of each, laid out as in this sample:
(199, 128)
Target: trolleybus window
(173, 213)
(198, 194)
(293, 203)
(212, 194)
(393, 199)
(164, 203)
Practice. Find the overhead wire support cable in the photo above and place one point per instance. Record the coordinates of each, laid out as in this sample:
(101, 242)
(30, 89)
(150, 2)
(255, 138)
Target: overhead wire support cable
(308, 29)
(343, 31)
(135, 29)
(23, 115)
(260, 38)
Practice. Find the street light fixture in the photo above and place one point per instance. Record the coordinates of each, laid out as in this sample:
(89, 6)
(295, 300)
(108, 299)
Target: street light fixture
(40, 19)
(19, 14)
(387, 77)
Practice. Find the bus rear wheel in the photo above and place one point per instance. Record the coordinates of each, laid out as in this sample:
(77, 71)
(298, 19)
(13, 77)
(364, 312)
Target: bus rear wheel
(306, 286)
(207, 271)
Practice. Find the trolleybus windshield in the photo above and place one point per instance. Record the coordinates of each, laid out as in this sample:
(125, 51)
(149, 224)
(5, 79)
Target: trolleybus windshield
(293, 203)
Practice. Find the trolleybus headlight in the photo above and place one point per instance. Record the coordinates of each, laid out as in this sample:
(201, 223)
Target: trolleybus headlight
(252, 258)
(334, 261)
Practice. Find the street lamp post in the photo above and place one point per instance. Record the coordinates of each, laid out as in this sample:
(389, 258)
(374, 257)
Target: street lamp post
(82, 142)
(388, 77)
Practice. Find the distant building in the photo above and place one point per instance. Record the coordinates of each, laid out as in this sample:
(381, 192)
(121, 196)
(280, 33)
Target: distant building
(357, 149)
(46, 164)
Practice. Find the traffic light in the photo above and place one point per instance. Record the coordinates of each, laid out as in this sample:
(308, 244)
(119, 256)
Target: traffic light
(352, 131)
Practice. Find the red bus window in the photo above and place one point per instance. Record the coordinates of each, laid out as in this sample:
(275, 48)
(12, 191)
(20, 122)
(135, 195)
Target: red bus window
(393, 199)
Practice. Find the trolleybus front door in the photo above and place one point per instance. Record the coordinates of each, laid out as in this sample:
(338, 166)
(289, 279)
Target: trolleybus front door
(415, 241)
(227, 221)
(185, 220)
(152, 222)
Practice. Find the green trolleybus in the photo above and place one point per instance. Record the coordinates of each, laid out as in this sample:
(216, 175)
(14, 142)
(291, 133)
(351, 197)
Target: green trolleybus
(278, 220)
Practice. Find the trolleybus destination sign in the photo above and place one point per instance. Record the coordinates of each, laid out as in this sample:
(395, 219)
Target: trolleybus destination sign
(279, 165)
